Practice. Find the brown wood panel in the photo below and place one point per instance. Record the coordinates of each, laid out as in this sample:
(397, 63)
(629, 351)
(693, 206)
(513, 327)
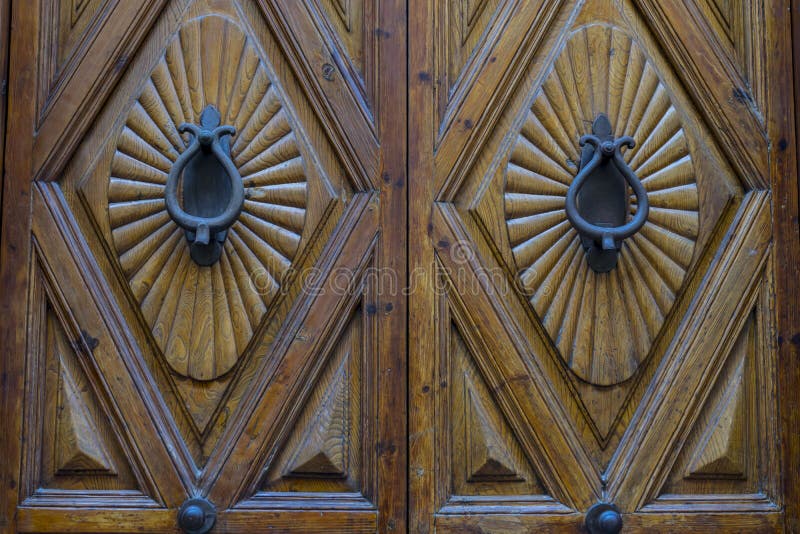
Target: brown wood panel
(271, 382)
(402, 333)
(678, 342)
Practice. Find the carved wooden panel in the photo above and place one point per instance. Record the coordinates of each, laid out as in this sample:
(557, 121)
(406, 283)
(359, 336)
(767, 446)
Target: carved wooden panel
(323, 451)
(204, 318)
(209, 327)
(354, 25)
(729, 450)
(462, 26)
(482, 455)
(73, 444)
(141, 378)
(601, 69)
(618, 379)
(603, 327)
(67, 29)
(739, 26)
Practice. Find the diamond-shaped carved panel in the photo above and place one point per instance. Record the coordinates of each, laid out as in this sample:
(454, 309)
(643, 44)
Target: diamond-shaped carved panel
(204, 330)
(205, 341)
(602, 329)
(602, 69)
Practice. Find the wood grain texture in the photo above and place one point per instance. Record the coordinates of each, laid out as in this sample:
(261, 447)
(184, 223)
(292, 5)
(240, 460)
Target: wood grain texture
(95, 352)
(530, 138)
(352, 24)
(732, 445)
(482, 461)
(226, 316)
(614, 78)
(69, 27)
(715, 83)
(99, 45)
(782, 127)
(740, 27)
(309, 151)
(80, 449)
(701, 436)
(324, 452)
(462, 26)
(299, 358)
(201, 323)
(735, 277)
(502, 353)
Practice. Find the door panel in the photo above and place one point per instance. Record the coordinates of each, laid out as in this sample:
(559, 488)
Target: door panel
(266, 381)
(653, 386)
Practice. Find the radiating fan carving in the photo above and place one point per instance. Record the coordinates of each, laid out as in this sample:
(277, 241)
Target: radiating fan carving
(78, 448)
(602, 324)
(203, 318)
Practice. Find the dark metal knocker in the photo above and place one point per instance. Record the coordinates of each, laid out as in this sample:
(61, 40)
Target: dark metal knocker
(597, 200)
(211, 203)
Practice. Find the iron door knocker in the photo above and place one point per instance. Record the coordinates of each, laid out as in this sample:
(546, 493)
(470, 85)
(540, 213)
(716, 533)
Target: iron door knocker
(597, 202)
(211, 204)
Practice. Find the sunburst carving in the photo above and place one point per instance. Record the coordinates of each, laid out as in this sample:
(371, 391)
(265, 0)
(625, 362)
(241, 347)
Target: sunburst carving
(602, 324)
(204, 317)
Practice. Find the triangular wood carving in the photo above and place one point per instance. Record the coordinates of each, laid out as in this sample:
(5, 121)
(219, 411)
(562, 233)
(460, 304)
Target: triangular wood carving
(485, 453)
(78, 445)
(342, 8)
(462, 27)
(323, 447)
(66, 28)
(721, 452)
(488, 458)
(77, 429)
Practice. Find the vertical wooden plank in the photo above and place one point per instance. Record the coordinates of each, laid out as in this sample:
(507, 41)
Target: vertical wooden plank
(422, 304)
(5, 42)
(783, 35)
(15, 247)
(391, 309)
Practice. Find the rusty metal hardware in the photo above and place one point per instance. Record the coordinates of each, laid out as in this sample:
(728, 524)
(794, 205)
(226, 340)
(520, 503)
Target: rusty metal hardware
(213, 192)
(597, 201)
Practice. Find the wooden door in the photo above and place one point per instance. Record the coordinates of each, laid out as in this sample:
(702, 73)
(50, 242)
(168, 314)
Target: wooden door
(665, 387)
(270, 380)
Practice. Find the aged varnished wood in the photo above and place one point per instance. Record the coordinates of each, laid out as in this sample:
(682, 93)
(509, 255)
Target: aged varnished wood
(658, 386)
(137, 378)
(402, 333)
